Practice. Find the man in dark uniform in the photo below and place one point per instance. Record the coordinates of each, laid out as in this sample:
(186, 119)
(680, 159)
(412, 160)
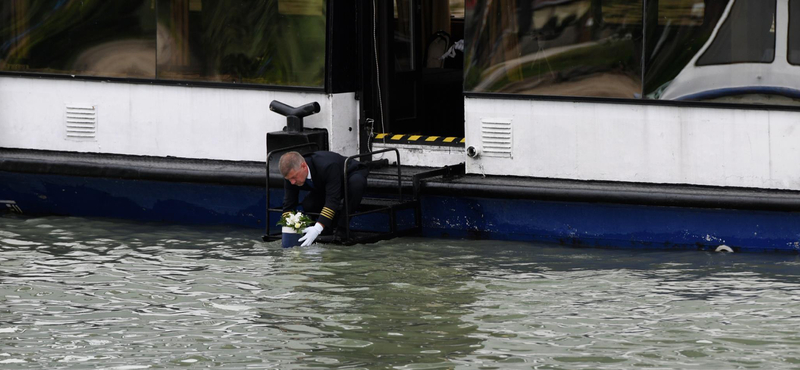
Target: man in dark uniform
(322, 175)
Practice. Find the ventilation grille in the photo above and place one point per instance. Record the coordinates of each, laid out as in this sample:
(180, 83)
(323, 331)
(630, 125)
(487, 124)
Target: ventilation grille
(81, 122)
(496, 137)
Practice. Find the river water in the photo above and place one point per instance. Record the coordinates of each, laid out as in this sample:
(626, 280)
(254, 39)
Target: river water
(100, 294)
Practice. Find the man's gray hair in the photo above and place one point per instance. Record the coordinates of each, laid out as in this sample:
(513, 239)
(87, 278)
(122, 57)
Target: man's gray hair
(290, 161)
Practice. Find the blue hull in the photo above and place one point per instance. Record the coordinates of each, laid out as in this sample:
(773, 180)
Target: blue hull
(613, 225)
(568, 223)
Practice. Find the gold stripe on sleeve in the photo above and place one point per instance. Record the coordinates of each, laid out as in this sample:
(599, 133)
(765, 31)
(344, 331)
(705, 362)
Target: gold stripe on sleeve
(327, 213)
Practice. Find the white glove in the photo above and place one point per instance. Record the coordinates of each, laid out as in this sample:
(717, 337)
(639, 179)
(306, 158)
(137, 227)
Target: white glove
(311, 234)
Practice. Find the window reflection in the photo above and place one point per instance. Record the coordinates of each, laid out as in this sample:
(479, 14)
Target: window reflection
(280, 42)
(731, 57)
(746, 36)
(682, 29)
(545, 47)
(89, 37)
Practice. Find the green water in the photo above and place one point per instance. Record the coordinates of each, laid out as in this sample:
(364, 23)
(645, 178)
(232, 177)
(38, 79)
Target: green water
(99, 294)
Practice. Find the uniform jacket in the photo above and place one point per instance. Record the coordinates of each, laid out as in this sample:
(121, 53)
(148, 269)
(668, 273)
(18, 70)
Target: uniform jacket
(328, 177)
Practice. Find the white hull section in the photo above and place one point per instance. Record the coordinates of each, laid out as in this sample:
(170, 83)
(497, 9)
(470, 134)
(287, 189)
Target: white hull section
(637, 143)
(161, 121)
(564, 140)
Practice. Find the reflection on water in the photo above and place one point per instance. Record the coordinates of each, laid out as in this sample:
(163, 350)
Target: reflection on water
(81, 293)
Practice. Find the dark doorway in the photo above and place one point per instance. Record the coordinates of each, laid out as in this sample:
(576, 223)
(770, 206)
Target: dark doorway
(410, 88)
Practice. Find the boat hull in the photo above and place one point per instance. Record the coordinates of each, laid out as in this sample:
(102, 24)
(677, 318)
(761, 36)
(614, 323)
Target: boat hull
(577, 224)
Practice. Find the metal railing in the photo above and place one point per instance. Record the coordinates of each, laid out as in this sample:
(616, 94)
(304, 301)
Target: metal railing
(347, 214)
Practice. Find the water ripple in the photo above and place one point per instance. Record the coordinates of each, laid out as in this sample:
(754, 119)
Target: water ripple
(80, 294)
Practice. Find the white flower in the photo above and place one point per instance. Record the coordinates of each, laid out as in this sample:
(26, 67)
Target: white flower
(297, 225)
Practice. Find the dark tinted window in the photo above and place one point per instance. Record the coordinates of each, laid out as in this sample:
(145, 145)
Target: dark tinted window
(279, 42)
(570, 48)
(89, 37)
(746, 36)
(794, 32)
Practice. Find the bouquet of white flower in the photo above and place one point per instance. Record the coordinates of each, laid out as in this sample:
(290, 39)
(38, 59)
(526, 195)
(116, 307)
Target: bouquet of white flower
(296, 221)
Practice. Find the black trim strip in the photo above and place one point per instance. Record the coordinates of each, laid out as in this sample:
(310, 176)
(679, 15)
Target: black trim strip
(155, 82)
(131, 167)
(505, 187)
(621, 193)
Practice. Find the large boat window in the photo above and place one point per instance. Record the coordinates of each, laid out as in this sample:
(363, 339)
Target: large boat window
(86, 38)
(746, 36)
(568, 48)
(274, 42)
(794, 32)
(277, 42)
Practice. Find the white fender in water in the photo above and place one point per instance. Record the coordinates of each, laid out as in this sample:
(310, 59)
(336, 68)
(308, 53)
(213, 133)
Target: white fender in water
(724, 248)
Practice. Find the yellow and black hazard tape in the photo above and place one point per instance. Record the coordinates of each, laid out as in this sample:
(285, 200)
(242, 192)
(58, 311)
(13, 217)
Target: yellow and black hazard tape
(420, 139)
